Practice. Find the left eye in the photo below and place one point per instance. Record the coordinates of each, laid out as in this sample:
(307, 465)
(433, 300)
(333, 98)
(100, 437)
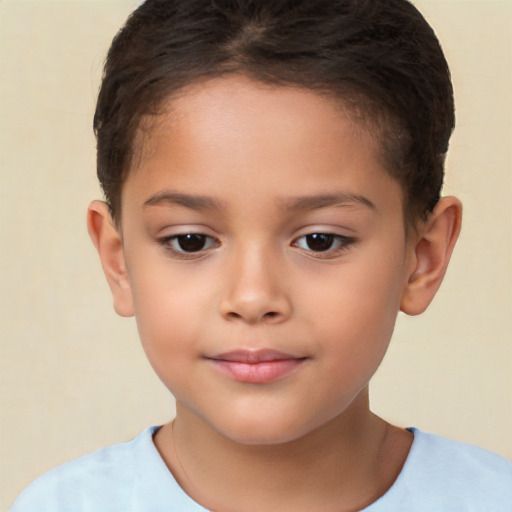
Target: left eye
(322, 242)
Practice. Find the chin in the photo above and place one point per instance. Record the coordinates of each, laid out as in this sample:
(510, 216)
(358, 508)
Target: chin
(263, 430)
(260, 437)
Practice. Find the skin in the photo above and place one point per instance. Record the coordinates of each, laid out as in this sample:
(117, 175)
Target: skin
(270, 165)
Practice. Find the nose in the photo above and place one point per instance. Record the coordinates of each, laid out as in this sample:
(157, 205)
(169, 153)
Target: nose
(254, 290)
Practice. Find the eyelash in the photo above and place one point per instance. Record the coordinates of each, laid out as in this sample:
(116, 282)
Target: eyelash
(341, 242)
(173, 243)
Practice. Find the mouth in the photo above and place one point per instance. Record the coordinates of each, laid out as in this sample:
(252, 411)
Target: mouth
(256, 366)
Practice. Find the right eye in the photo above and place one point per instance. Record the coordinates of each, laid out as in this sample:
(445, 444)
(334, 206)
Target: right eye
(188, 243)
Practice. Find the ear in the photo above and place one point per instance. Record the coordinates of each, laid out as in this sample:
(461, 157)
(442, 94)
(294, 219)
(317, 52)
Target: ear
(108, 242)
(431, 252)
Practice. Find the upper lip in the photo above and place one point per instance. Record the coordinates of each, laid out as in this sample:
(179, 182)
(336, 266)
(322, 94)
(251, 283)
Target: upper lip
(253, 356)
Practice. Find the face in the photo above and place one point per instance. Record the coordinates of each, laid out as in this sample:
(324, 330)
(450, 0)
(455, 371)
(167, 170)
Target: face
(266, 255)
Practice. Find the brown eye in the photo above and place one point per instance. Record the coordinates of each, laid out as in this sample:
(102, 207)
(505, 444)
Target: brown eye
(320, 242)
(191, 242)
(329, 243)
(188, 245)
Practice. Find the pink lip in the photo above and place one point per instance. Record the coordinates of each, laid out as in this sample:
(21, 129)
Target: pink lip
(256, 366)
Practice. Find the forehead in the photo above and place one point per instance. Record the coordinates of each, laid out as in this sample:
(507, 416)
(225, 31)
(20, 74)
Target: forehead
(225, 103)
(229, 133)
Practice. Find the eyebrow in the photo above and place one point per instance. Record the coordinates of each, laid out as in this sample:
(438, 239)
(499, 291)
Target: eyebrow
(317, 201)
(312, 202)
(193, 202)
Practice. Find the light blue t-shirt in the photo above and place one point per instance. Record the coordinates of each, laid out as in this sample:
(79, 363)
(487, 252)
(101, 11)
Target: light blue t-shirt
(438, 476)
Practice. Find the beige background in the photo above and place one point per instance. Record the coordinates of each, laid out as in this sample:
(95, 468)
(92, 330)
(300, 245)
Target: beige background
(73, 376)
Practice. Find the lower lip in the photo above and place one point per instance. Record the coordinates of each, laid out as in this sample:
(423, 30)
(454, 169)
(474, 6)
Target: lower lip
(258, 373)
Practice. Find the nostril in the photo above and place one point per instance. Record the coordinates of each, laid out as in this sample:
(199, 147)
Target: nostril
(270, 315)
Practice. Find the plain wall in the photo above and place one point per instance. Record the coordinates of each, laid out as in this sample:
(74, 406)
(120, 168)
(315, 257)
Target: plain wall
(73, 376)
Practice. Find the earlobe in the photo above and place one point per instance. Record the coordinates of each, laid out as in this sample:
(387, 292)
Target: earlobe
(109, 245)
(433, 248)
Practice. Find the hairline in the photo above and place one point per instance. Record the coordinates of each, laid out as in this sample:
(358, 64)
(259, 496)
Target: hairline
(366, 113)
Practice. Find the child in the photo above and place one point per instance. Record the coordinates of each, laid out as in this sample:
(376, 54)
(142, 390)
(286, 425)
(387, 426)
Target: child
(272, 172)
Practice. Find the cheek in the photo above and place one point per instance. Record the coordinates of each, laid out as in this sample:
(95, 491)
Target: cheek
(357, 295)
(354, 312)
(168, 309)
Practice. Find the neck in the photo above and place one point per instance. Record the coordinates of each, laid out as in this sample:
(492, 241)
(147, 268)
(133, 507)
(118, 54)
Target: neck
(346, 464)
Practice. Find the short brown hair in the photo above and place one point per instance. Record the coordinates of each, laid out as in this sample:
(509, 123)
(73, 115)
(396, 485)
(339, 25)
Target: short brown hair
(379, 55)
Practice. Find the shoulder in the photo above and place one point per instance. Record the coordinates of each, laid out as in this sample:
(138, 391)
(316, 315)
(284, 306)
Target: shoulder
(127, 477)
(444, 475)
(101, 479)
(457, 461)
